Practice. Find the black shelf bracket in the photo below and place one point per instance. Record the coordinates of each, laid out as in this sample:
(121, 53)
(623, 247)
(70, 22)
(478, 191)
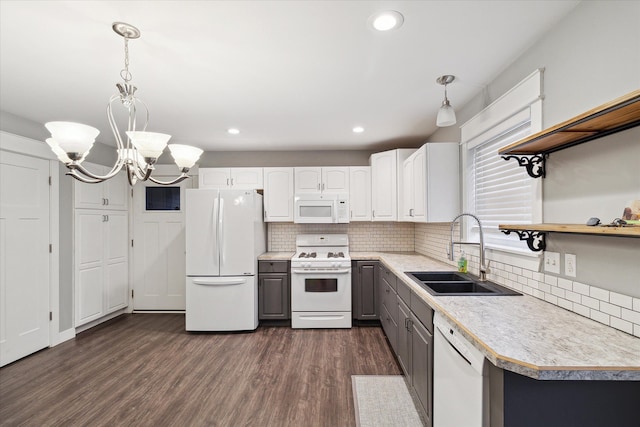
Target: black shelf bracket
(535, 239)
(535, 164)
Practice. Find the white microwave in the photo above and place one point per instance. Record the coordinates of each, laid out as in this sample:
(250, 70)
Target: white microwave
(321, 208)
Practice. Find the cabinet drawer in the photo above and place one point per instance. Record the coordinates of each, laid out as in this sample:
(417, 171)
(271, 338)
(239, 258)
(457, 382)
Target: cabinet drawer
(273, 266)
(423, 312)
(390, 328)
(404, 291)
(389, 300)
(387, 276)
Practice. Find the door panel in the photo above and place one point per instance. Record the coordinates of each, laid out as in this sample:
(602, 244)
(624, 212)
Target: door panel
(307, 180)
(159, 254)
(236, 233)
(117, 285)
(202, 233)
(335, 180)
(24, 256)
(278, 194)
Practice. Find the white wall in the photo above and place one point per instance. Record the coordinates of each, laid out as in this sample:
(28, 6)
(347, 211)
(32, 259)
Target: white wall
(590, 57)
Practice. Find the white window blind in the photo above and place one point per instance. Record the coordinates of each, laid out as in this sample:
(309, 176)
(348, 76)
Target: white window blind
(501, 192)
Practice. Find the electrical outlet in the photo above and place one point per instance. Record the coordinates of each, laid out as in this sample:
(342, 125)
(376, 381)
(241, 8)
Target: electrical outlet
(552, 262)
(570, 265)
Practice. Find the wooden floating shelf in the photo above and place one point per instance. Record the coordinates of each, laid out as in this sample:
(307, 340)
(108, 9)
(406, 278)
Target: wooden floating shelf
(615, 116)
(628, 231)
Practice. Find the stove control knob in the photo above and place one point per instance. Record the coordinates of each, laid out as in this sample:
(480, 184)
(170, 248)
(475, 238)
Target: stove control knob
(335, 264)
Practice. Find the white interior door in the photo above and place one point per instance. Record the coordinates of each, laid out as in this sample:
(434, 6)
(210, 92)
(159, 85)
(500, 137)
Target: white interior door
(158, 253)
(24, 256)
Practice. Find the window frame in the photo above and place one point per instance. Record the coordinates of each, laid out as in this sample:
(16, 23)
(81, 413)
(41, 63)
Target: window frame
(520, 104)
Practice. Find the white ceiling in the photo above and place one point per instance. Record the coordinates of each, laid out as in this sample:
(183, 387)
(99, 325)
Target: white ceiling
(291, 75)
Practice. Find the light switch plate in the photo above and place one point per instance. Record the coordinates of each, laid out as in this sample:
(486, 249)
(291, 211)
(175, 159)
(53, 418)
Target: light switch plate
(570, 264)
(552, 262)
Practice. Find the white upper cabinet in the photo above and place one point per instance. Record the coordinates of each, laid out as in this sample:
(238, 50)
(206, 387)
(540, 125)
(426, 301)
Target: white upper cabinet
(308, 180)
(432, 193)
(385, 182)
(110, 194)
(360, 193)
(322, 179)
(278, 194)
(231, 178)
(407, 191)
(335, 179)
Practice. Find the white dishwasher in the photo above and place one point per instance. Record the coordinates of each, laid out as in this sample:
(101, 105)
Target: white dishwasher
(458, 378)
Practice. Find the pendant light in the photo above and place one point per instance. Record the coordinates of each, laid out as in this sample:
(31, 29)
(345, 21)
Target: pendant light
(446, 114)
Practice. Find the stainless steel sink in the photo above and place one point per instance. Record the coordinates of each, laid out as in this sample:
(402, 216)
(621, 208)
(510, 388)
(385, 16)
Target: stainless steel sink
(452, 283)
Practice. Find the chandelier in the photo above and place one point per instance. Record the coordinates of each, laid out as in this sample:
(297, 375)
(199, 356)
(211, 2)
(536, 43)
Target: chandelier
(71, 141)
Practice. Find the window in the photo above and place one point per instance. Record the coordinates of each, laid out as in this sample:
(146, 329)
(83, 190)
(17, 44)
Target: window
(162, 198)
(499, 191)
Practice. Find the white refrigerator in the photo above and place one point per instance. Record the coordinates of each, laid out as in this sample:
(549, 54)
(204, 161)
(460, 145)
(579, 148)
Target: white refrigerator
(225, 233)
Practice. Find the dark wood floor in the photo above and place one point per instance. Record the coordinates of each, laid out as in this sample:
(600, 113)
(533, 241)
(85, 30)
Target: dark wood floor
(144, 369)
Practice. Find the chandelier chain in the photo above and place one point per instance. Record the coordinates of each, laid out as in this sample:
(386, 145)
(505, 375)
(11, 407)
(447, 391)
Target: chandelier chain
(125, 74)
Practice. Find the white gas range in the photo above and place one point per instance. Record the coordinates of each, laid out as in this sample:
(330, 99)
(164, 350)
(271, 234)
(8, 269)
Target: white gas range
(321, 282)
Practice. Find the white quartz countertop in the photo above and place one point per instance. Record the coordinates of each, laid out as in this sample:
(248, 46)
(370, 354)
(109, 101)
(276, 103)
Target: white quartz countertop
(523, 334)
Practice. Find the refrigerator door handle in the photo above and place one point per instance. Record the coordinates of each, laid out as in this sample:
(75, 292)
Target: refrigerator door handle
(219, 282)
(221, 247)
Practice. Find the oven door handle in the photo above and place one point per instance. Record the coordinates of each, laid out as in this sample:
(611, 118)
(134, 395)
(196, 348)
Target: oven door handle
(345, 271)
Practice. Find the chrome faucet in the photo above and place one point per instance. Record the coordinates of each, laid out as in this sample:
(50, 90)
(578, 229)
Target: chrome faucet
(483, 267)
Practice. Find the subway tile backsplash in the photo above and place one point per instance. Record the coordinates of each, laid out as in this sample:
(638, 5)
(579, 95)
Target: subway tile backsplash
(616, 310)
(619, 311)
(363, 236)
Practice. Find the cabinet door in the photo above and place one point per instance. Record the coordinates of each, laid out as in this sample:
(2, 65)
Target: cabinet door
(442, 181)
(116, 239)
(278, 194)
(360, 193)
(246, 178)
(419, 181)
(404, 338)
(422, 366)
(89, 269)
(273, 297)
(116, 191)
(214, 178)
(335, 179)
(390, 328)
(365, 290)
(407, 207)
(90, 196)
(383, 186)
(308, 180)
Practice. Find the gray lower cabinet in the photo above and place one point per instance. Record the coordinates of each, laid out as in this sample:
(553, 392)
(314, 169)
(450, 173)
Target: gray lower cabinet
(274, 300)
(388, 305)
(409, 329)
(364, 287)
(421, 362)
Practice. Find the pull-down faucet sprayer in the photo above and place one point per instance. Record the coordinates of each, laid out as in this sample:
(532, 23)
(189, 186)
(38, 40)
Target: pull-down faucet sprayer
(483, 269)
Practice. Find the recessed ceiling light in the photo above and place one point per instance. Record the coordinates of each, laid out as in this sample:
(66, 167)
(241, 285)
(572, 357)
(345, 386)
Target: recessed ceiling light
(387, 20)
(358, 129)
(233, 131)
